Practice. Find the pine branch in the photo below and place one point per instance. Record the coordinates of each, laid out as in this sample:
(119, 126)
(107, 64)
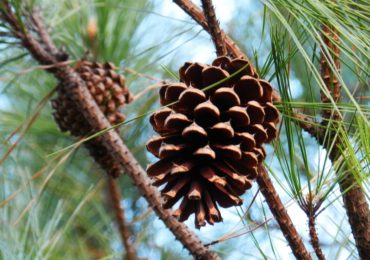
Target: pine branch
(116, 198)
(331, 40)
(354, 198)
(214, 27)
(267, 189)
(75, 87)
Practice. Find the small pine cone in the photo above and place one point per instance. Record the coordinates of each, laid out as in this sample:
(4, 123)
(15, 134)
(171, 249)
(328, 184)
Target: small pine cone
(109, 92)
(106, 86)
(210, 139)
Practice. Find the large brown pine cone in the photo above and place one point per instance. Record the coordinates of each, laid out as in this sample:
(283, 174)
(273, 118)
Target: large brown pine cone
(109, 92)
(210, 139)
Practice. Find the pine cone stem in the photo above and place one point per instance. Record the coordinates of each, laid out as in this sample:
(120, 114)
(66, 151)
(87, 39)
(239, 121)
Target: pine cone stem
(354, 198)
(214, 27)
(77, 90)
(278, 210)
(116, 198)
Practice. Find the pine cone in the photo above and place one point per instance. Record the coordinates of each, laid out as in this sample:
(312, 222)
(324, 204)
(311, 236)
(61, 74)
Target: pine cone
(109, 92)
(210, 139)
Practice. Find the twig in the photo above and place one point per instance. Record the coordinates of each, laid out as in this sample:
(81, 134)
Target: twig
(214, 27)
(124, 231)
(77, 90)
(354, 199)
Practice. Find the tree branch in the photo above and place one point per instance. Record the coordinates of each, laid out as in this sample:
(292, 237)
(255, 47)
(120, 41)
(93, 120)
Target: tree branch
(354, 199)
(214, 27)
(75, 87)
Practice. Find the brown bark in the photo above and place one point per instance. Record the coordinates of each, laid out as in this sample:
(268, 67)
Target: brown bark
(331, 40)
(315, 238)
(358, 213)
